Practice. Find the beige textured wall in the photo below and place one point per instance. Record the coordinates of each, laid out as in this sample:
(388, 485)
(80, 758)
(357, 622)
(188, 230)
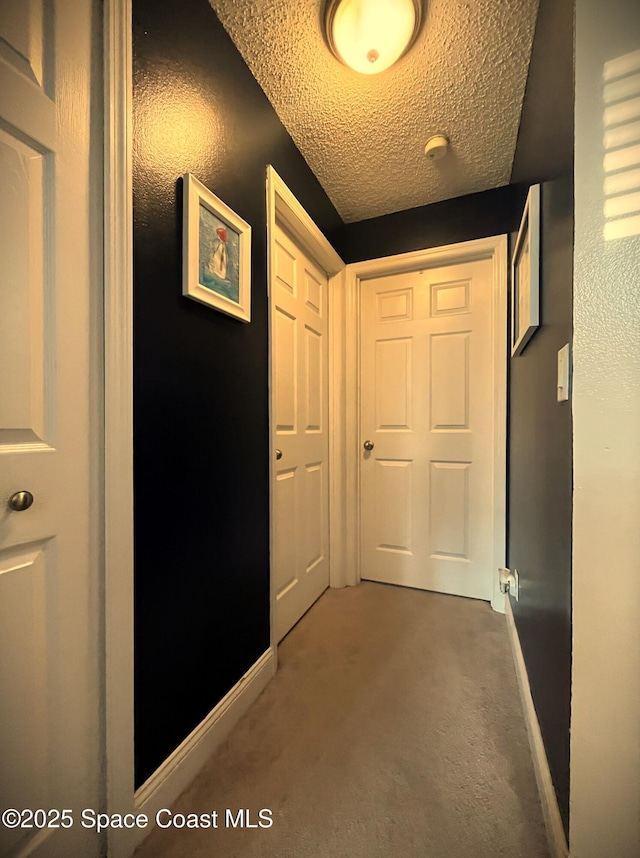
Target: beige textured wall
(605, 727)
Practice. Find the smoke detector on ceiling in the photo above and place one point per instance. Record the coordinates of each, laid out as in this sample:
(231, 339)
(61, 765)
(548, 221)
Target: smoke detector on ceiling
(436, 147)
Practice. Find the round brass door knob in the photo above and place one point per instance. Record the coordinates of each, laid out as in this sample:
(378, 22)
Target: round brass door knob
(368, 446)
(19, 501)
(278, 454)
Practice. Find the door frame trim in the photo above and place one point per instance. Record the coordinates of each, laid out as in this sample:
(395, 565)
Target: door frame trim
(284, 209)
(495, 249)
(118, 749)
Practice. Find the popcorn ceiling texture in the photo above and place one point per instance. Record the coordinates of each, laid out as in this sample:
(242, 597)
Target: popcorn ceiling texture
(363, 136)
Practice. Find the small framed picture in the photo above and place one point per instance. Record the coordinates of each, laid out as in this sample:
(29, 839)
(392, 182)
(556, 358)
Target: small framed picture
(525, 275)
(216, 264)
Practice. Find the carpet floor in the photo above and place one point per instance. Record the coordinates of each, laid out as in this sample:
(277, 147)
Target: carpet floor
(392, 728)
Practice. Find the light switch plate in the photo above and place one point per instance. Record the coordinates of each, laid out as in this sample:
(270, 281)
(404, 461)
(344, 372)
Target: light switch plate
(564, 361)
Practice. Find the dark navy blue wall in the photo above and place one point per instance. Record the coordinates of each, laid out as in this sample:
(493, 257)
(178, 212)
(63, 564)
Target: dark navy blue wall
(540, 432)
(493, 212)
(541, 488)
(200, 378)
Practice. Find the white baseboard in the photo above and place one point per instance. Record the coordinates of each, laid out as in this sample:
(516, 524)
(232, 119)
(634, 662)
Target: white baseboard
(178, 771)
(552, 819)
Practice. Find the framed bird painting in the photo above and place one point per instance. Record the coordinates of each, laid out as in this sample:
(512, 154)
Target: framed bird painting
(216, 266)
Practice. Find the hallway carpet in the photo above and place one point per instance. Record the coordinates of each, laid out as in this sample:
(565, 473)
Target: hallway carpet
(392, 729)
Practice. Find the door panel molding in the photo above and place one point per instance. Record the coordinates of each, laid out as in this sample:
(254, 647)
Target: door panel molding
(284, 209)
(495, 249)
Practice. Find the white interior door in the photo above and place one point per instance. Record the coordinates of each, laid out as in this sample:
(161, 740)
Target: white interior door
(300, 450)
(427, 409)
(49, 681)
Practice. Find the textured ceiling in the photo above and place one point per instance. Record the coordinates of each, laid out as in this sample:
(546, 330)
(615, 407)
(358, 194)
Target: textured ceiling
(363, 135)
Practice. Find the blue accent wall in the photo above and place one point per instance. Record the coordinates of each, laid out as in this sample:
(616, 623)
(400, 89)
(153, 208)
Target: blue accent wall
(541, 489)
(201, 466)
(480, 215)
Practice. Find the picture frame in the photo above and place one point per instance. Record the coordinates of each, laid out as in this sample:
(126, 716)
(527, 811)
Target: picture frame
(216, 252)
(525, 275)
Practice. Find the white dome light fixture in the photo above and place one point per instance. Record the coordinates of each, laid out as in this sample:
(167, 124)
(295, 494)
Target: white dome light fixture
(370, 35)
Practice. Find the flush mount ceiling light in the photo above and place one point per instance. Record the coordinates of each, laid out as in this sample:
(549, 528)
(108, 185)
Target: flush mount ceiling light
(370, 35)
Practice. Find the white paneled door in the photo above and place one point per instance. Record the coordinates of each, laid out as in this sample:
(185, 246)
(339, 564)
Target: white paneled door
(300, 491)
(427, 417)
(49, 630)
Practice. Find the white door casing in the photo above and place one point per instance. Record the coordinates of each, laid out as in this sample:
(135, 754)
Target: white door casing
(425, 387)
(50, 414)
(118, 425)
(494, 251)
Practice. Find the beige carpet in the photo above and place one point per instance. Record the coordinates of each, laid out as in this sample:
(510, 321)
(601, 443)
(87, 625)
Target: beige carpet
(392, 728)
